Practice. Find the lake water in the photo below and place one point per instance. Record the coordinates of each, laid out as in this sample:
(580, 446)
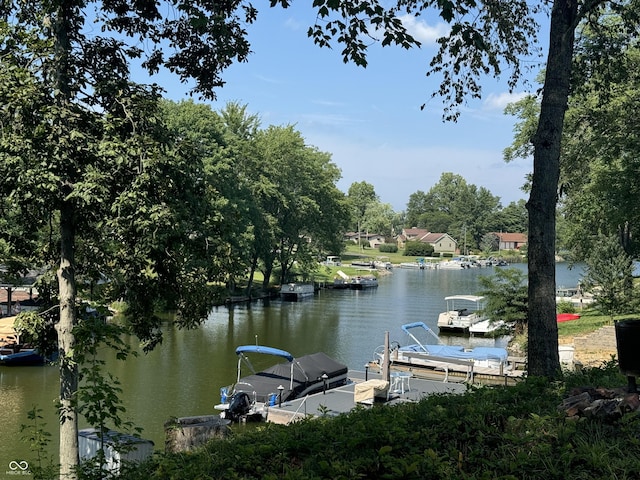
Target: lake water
(183, 376)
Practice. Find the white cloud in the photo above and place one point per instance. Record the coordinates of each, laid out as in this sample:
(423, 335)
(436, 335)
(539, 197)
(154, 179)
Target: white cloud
(293, 24)
(423, 32)
(498, 101)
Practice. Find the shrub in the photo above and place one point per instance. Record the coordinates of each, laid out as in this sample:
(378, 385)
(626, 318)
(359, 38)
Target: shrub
(418, 249)
(388, 248)
(565, 307)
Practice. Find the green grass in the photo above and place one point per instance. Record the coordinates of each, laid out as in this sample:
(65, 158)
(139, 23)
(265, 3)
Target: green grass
(589, 321)
(353, 252)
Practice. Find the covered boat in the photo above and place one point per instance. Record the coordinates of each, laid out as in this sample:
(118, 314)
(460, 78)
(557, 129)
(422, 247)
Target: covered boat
(490, 357)
(362, 282)
(19, 356)
(294, 378)
(296, 291)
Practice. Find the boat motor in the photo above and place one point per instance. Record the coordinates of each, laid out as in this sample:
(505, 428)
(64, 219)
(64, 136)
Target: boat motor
(239, 405)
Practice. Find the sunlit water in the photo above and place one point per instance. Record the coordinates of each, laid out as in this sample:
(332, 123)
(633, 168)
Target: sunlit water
(183, 376)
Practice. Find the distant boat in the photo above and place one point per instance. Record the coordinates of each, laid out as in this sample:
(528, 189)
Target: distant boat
(20, 356)
(566, 317)
(363, 282)
(574, 295)
(485, 327)
(296, 291)
(364, 263)
(459, 263)
(420, 263)
(341, 281)
(383, 263)
(297, 377)
(333, 260)
(12, 352)
(462, 312)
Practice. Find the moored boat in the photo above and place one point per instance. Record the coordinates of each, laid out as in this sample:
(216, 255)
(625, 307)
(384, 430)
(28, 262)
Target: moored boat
(457, 264)
(341, 281)
(383, 263)
(17, 355)
(486, 327)
(487, 360)
(462, 312)
(576, 296)
(362, 282)
(251, 395)
(296, 291)
(14, 353)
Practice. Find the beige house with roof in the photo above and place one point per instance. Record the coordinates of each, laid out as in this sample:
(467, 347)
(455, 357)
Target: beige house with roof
(510, 241)
(441, 242)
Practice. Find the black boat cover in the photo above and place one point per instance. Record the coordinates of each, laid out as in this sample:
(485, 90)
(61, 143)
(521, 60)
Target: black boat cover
(307, 378)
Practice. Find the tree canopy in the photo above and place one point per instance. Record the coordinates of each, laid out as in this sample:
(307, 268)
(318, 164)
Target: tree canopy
(463, 210)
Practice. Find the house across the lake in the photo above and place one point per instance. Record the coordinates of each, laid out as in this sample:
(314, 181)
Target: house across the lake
(441, 242)
(510, 241)
(374, 239)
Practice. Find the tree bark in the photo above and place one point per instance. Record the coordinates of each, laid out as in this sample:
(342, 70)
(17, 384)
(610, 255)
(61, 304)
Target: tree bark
(543, 329)
(69, 458)
(66, 342)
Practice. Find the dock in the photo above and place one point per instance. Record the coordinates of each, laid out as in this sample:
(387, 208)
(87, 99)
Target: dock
(404, 387)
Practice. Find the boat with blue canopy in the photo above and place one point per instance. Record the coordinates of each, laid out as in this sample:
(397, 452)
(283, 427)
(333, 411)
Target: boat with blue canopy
(293, 378)
(488, 360)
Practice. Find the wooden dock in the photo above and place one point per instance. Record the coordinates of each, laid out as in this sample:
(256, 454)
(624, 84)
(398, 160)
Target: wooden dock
(342, 399)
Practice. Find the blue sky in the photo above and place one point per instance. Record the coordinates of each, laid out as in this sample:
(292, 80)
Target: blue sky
(370, 119)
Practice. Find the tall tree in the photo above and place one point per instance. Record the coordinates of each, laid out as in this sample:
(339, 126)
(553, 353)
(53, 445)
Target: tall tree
(416, 207)
(609, 276)
(303, 209)
(597, 145)
(379, 218)
(512, 218)
(456, 207)
(77, 135)
(360, 196)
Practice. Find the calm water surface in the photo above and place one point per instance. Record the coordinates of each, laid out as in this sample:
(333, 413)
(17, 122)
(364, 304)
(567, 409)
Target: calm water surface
(184, 375)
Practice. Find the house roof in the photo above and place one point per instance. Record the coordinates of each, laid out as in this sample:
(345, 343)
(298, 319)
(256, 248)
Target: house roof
(422, 235)
(363, 235)
(432, 237)
(512, 237)
(414, 232)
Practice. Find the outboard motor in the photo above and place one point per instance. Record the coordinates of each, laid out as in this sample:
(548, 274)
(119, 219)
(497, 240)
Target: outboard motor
(239, 404)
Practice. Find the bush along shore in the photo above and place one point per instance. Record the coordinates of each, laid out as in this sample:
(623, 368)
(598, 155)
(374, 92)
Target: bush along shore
(529, 431)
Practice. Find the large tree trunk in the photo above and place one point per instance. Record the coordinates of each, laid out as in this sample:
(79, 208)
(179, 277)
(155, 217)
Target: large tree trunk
(66, 342)
(69, 458)
(543, 330)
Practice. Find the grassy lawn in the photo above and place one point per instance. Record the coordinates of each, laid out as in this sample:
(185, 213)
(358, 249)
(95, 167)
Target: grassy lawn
(353, 252)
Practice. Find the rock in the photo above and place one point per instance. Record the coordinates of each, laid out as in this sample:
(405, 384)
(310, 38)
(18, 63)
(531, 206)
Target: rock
(603, 403)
